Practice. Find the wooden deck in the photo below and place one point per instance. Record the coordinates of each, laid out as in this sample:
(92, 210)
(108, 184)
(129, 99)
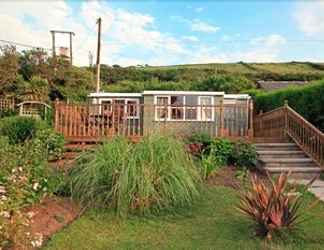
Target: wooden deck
(97, 122)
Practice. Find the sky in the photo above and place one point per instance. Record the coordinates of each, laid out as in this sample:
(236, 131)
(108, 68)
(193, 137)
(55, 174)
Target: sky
(165, 32)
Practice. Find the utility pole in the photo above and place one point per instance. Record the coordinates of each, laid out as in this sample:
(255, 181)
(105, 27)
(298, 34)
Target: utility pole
(98, 55)
(53, 43)
(53, 32)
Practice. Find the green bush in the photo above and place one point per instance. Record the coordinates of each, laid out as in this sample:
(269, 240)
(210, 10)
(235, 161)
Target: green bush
(146, 177)
(243, 155)
(18, 129)
(216, 155)
(49, 142)
(222, 152)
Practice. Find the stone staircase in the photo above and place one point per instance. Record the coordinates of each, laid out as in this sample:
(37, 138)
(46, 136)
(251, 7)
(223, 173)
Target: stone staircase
(281, 157)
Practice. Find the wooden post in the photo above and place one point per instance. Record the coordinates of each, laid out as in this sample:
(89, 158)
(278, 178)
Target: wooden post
(221, 115)
(251, 130)
(56, 122)
(98, 55)
(286, 118)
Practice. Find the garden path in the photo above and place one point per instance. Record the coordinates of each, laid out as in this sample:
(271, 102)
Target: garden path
(317, 188)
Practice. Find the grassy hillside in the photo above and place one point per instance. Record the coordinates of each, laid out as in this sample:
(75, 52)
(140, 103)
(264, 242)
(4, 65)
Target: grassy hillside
(24, 73)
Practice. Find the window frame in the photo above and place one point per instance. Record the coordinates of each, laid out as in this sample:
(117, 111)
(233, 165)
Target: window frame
(126, 100)
(198, 108)
(202, 108)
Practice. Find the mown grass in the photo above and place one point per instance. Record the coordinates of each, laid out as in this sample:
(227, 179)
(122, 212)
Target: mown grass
(213, 223)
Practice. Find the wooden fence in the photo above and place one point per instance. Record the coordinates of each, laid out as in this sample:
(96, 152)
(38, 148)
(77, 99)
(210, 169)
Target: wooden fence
(7, 104)
(93, 122)
(285, 122)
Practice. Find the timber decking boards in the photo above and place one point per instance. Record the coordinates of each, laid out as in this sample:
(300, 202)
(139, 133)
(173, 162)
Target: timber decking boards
(286, 157)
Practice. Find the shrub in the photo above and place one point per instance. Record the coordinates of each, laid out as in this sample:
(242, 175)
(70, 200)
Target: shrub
(49, 142)
(243, 155)
(147, 177)
(216, 155)
(198, 142)
(222, 149)
(270, 206)
(307, 100)
(18, 129)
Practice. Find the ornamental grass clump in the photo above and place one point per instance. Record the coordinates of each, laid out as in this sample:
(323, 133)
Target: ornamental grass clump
(272, 205)
(143, 178)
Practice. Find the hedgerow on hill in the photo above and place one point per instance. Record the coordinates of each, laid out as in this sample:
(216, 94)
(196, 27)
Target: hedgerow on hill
(307, 101)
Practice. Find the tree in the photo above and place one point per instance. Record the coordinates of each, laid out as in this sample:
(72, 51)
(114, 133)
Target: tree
(8, 67)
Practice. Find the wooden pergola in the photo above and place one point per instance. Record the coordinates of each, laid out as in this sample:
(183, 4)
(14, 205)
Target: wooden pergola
(36, 109)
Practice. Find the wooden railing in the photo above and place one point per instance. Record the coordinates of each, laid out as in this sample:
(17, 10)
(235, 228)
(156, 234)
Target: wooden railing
(93, 122)
(7, 104)
(286, 122)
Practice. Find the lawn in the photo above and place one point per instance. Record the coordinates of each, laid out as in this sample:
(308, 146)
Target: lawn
(213, 223)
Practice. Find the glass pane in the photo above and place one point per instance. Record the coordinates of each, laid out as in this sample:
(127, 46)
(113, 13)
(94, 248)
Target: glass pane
(207, 114)
(132, 108)
(177, 113)
(205, 100)
(177, 100)
(106, 106)
(191, 113)
(162, 113)
(162, 101)
(191, 100)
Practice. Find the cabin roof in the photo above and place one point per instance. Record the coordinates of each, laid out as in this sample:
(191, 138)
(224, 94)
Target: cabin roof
(273, 85)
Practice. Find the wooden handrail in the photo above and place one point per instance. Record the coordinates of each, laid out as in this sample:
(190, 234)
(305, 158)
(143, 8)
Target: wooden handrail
(307, 136)
(285, 122)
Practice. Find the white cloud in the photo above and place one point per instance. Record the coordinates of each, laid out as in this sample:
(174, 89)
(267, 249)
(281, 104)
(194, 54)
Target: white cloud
(198, 25)
(272, 40)
(309, 17)
(121, 29)
(191, 38)
(199, 9)
(260, 49)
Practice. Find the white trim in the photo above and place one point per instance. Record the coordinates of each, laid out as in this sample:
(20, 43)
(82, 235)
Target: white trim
(237, 96)
(136, 105)
(109, 94)
(100, 100)
(199, 109)
(202, 93)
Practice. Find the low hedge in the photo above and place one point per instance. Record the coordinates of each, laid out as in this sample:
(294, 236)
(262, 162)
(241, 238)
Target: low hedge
(307, 101)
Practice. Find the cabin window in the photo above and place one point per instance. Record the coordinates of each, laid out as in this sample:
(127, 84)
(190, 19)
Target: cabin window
(121, 107)
(177, 107)
(161, 109)
(132, 108)
(191, 107)
(184, 108)
(206, 111)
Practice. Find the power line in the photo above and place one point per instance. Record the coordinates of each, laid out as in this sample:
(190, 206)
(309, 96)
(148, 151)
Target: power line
(24, 45)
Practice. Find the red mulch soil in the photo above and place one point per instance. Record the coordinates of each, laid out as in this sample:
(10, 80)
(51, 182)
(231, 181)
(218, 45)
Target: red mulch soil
(50, 216)
(224, 177)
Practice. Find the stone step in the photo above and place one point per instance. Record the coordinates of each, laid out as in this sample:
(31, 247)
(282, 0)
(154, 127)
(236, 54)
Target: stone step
(270, 140)
(276, 147)
(281, 154)
(286, 160)
(294, 169)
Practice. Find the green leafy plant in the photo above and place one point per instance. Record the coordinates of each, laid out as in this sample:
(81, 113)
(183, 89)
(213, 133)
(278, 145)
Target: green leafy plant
(269, 204)
(49, 142)
(18, 129)
(146, 177)
(243, 154)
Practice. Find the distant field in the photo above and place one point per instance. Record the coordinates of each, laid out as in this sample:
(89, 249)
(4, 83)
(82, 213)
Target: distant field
(291, 70)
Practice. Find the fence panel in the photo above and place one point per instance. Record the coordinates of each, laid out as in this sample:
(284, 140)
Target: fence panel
(7, 104)
(93, 122)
